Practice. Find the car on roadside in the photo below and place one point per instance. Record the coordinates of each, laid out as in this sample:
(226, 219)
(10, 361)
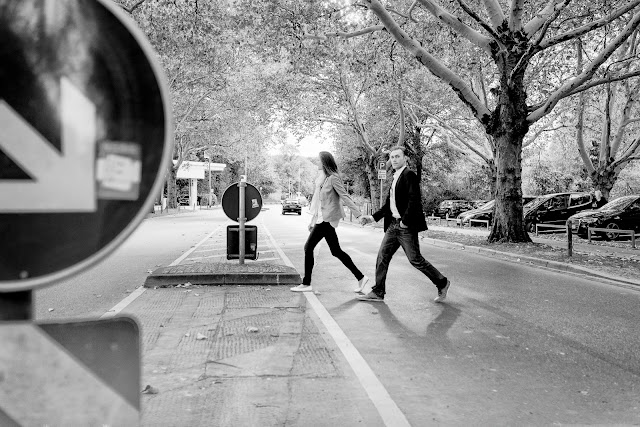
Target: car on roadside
(555, 208)
(484, 212)
(291, 205)
(452, 208)
(622, 213)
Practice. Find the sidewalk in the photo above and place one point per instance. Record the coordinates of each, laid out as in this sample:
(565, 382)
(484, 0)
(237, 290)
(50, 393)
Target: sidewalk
(245, 355)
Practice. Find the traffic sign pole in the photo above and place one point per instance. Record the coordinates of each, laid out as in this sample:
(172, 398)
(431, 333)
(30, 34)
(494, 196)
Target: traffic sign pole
(16, 305)
(241, 220)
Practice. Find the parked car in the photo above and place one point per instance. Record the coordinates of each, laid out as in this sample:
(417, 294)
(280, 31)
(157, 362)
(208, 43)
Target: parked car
(291, 205)
(452, 208)
(554, 208)
(622, 213)
(484, 212)
(478, 203)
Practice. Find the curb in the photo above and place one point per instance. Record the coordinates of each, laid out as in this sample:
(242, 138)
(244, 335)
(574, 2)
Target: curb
(553, 265)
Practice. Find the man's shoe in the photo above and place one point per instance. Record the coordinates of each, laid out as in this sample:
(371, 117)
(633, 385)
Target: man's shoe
(302, 288)
(371, 296)
(361, 284)
(442, 293)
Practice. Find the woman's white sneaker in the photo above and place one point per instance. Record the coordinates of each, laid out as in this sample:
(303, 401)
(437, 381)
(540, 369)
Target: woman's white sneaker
(361, 284)
(302, 288)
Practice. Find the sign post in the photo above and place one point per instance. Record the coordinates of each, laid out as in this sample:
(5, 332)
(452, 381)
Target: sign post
(382, 175)
(242, 185)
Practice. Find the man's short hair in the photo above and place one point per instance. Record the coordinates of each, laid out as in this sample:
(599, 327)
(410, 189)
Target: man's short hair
(398, 147)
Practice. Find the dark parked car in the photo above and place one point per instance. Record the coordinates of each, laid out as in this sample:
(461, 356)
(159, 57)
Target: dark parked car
(622, 213)
(452, 208)
(554, 208)
(484, 212)
(291, 205)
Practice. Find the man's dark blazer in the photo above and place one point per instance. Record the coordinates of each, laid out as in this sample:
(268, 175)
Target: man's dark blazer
(408, 201)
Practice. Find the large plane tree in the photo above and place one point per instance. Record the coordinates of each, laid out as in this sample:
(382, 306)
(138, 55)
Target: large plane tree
(525, 50)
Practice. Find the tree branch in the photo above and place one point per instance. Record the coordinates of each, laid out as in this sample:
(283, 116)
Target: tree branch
(464, 92)
(537, 22)
(479, 20)
(326, 36)
(446, 17)
(570, 35)
(494, 10)
(604, 81)
(515, 15)
(573, 83)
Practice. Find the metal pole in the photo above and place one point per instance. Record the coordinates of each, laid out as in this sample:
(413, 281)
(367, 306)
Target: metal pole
(569, 239)
(241, 220)
(209, 195)
(381, 194)
(16, 305)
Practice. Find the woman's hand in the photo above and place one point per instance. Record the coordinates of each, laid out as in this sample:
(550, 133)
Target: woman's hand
(310, 227)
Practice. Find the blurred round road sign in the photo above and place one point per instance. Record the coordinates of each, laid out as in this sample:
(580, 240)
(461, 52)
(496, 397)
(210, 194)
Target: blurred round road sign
(86, 136)
(231, 202)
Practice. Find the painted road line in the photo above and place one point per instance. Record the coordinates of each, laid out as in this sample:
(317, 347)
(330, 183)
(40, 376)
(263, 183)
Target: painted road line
(186, 254)
(390, 413)
(135, 294)
(125, 302)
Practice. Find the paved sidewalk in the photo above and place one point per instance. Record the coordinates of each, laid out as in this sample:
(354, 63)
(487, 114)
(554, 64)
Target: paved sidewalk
(242, 355)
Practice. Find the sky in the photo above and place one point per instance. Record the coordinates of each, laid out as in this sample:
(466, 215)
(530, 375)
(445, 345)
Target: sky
(311, 145)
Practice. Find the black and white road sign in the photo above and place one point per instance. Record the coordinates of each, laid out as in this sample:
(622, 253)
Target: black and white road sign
(85, 135)
(75, 373)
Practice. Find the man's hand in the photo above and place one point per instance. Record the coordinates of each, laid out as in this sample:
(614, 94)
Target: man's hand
(310, 227)
(366, 219)
(402, 225)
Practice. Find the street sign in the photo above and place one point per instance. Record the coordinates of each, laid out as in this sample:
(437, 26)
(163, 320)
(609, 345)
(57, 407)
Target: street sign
(382, 165)
(382, 174)
(252, 202)
(70, 374)
(85, 136)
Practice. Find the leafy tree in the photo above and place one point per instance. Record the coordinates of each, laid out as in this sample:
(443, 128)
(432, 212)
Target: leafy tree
(525, 48)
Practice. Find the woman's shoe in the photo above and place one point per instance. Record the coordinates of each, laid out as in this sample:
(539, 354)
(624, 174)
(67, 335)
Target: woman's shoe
(361, 284)
(302, 288)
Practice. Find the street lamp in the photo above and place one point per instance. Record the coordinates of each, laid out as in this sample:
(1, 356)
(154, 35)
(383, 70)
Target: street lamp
(206, 156)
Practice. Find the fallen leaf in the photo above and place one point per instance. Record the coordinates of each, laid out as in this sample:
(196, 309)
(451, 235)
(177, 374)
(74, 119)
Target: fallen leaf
(187, 334)
(201, 337)
(150, 390)
(51, 309)
(252, 329)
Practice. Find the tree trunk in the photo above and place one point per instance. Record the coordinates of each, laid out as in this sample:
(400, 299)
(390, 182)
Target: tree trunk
(374, 182)
(172, 193)
(604, 179)
(508, 128)
(508, 221)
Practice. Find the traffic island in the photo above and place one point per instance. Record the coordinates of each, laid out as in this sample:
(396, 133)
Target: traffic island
(223, 274)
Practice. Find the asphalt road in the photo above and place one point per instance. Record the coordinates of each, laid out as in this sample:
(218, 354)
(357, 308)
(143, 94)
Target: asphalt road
(513, 344)
(156, 242)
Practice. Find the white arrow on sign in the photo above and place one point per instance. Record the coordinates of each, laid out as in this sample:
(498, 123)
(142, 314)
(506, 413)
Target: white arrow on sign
(63, 181)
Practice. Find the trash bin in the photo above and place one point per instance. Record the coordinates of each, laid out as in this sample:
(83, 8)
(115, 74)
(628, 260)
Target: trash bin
(250, 245)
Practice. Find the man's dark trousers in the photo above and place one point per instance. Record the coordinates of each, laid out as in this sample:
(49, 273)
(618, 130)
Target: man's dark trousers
(394, 237)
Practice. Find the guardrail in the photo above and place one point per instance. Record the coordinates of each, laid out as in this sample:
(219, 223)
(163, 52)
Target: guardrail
(554, 228)
(632, 233)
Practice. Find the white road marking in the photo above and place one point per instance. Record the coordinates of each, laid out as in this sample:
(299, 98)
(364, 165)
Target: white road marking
(140, 290)
(186, 254)
(389, 412)
(125, 302)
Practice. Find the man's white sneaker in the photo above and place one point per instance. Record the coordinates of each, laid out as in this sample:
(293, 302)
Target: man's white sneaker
(302, 288)
(442, 293)
(361, 284)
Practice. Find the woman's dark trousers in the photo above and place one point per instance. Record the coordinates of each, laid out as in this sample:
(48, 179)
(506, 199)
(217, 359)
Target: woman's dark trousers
(325, 230)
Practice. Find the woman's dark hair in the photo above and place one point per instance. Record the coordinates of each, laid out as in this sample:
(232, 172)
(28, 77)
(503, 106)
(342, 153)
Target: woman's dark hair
(328, 163)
